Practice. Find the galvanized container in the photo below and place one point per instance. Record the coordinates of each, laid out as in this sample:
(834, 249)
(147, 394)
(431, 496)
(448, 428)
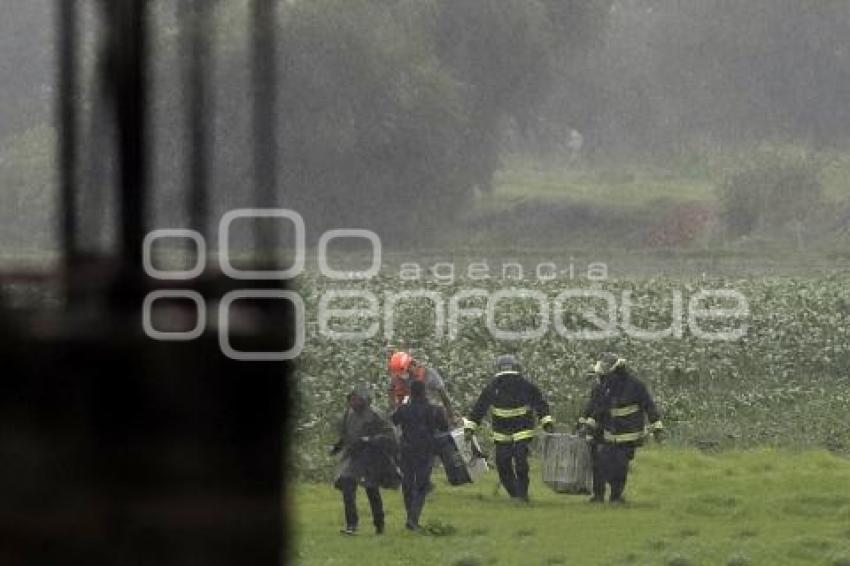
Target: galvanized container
(456, 455)
(470, 451)
(567, 465)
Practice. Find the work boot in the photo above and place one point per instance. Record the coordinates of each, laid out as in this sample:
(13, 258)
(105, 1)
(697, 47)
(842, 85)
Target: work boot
(412, 527)
(597, 499)
(379, 529)
(617, 500)
(349, 530)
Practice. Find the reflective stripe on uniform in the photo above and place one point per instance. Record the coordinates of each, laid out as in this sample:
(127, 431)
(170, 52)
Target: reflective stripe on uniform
(623, 437)
(547, 419)
(521, 435)
(625, 411)
(510, 413)
(468, 424)
(507, 372)
(590, 421)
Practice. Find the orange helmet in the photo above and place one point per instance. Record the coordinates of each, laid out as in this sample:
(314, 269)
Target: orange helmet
(400, 363)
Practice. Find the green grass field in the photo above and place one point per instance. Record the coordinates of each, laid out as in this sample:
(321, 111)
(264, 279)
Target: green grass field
(668, 203)
(685, 507)
(622, 188)
(634, 185)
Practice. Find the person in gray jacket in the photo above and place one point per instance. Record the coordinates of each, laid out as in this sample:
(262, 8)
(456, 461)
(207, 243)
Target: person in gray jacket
(368, 447)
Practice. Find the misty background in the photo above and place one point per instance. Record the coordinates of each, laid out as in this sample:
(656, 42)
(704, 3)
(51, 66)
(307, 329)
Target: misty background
(623, 123)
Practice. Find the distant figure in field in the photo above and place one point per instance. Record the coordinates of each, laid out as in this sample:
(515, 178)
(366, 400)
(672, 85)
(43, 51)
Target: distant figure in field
(575, 143)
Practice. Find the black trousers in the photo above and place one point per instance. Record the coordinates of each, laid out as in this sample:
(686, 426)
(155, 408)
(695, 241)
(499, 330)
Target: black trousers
(614, 467)
(512, 464)
(349, 499)
(598, 476)
(415, 484)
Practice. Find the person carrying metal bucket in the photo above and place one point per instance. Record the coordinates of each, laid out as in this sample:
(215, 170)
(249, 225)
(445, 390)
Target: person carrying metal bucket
(513, 402)
(625, 413)
(404, 370)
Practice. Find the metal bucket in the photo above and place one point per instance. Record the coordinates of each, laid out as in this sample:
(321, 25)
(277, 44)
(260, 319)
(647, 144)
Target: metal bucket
(457, 457)
(567, 464)
(453, 464)
(469, 450)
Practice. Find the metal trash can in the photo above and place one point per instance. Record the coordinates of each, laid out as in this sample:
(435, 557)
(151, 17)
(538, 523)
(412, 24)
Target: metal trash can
(457, 457)
(476, 465)
(567, 464)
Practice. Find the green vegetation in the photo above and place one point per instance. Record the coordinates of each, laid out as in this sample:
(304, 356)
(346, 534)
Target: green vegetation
(763, 200)
(686, 507)
(389, 111)
(774, 187)
(623, 186)
(685, 178)
(785, 383)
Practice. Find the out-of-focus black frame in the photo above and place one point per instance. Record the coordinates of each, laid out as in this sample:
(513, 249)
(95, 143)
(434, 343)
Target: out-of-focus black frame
(116, 448)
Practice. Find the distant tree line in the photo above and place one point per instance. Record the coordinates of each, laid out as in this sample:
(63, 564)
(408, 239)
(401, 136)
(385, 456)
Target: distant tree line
(391, 111)
(392, 114)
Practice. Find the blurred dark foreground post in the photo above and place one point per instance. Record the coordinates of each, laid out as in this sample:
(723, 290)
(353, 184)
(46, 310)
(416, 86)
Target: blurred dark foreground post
(116, 448)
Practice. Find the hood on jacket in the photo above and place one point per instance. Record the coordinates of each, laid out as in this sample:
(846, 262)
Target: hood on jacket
(361, 390)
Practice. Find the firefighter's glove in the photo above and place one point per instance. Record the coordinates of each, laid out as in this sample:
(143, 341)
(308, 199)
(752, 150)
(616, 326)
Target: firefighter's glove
(549, 428)
(658, 435)
(468, 434)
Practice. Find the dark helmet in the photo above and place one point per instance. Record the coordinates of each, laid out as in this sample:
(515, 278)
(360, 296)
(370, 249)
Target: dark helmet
(508, 364)
(607, 363)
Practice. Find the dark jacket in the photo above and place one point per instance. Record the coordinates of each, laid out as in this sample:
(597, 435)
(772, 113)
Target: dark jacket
(420, 421)
(514, 401)
(623, 408)
(369, 448)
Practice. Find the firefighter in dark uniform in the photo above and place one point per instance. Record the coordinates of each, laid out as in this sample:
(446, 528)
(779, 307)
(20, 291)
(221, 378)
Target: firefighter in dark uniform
(587, 428)
(513, 402)
(625, 413)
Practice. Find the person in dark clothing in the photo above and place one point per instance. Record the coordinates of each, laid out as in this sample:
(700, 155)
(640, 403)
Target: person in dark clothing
(368, 448)
(514, 401)
(624, 412)
(594, 438)
(419, 421)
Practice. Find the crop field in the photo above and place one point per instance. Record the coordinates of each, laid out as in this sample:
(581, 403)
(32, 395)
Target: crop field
(784, 383)
(737, 508)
